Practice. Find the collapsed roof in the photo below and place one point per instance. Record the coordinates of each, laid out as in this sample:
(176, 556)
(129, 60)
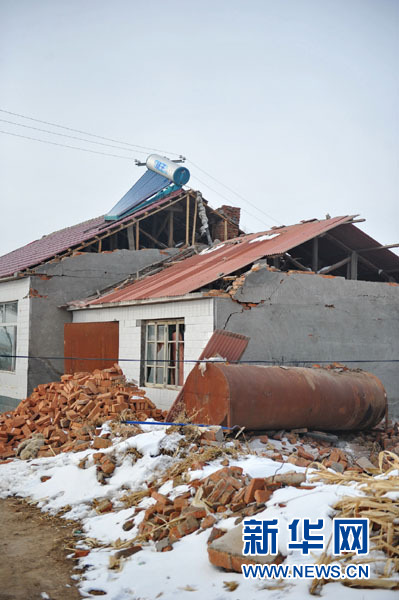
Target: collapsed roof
(177, 225)
(333, 245)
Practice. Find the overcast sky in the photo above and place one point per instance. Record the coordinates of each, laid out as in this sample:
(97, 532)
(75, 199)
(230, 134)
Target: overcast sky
(293, 104)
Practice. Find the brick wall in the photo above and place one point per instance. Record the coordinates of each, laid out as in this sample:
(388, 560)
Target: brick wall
(232, 213)
(198, 315)
(13, 384)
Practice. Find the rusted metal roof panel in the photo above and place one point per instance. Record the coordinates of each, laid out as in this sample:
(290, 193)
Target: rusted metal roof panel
(223, 259)
(227, 344)
(60, 241)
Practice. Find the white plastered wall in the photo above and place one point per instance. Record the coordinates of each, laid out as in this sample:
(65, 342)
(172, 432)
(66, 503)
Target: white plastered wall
(13, 384)
(198, 315)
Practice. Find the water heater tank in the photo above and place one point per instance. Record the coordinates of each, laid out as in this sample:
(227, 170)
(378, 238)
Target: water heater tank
(169, 169)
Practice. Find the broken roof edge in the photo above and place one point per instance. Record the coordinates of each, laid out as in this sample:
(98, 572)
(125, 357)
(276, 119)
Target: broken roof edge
(101, 229)
(251, 253)
(75, 305)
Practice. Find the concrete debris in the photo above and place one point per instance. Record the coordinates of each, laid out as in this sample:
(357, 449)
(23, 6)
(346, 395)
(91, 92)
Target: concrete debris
(63, 416)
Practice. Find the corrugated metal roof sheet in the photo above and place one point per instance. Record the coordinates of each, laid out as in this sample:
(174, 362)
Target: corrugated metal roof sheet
(223, 259)
(228, 345)
(60, 241)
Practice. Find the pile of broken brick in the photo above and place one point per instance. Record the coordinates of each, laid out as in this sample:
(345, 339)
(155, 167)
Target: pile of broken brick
(358, 451)
(227, 491)
(63, 416)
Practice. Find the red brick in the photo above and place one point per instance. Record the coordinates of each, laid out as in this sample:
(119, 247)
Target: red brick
(100, 442)
(258, 483)
(262, 496)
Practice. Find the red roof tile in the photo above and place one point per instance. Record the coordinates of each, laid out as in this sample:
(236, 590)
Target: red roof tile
(60, 241)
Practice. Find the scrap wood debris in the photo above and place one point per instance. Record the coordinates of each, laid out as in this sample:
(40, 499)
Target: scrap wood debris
(379, 503)
(62, 416)
(195, 479)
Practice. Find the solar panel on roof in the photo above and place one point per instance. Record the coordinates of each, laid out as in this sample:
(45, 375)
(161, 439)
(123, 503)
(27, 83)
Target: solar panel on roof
(149, 184)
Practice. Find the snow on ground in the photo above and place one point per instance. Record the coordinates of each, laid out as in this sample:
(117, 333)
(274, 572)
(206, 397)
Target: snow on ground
(184, 572)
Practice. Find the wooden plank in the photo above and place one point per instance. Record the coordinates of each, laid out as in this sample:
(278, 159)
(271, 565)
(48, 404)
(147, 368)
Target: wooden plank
(360, 258)
(194, 222)
(315, 255)
(225, 230)
(385, 247)
(354, 257)
(130, 237)
(160, 244)
(188, 220)
(171, 242)
(337, 265)
(296, 262)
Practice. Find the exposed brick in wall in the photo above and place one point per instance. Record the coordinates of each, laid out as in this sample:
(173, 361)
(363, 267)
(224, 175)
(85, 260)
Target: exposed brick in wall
(232, 213)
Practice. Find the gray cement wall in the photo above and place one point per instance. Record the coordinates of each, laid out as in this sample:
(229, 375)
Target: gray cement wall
(72, 278)
(307, 317)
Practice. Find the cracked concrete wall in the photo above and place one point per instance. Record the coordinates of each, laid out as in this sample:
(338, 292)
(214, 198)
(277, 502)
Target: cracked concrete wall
(307, 317)
(55, 284)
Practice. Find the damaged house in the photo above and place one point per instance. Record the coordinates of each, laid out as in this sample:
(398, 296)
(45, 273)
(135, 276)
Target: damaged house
(316, 292)
(41, 277)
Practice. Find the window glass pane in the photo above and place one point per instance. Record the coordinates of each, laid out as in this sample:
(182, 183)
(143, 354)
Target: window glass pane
(7, 346)
(171, 376)
(161, 332)
(159, 375)
(150, 332)
(171, 332)
(150, 352)
(2, 313)
(11, 312)
(150, 375)
(160, 351)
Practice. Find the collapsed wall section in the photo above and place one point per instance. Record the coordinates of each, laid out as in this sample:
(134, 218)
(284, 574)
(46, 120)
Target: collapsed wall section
(293, 318)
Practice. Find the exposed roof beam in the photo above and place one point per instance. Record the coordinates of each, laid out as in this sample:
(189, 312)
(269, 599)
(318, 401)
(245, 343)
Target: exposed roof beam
(296, 262)
(337, 265)
(361, 258)
(386, 247)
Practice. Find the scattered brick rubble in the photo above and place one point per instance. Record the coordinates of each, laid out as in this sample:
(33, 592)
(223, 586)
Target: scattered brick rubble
(62, 416)
(229, 492)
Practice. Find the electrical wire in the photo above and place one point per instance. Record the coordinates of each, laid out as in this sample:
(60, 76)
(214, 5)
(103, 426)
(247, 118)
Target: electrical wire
(233, 191)
(72, 137)
(26, 137)
(144, 150)
(229, 200)
(8, 112)
(206, 360)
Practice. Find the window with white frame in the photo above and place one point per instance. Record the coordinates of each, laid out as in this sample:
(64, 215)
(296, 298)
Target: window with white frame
(164, 353)
(8, 335)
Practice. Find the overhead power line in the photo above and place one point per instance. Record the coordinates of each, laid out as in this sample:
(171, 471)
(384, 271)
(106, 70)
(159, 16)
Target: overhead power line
(26, 137)
(137, 148)
(229, 200)
(72, 137)
(101, 137)
(233, 192)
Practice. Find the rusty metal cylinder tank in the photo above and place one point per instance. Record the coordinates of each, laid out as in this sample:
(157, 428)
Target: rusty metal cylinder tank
(260, 397)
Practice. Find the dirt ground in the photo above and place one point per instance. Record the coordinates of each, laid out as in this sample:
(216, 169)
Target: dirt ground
(33, 555)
